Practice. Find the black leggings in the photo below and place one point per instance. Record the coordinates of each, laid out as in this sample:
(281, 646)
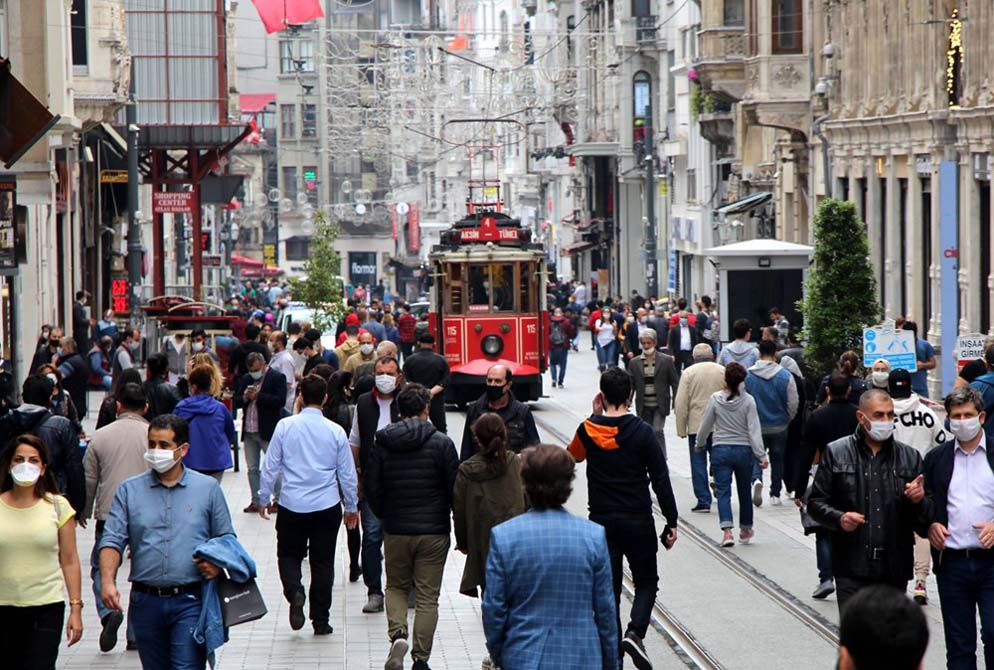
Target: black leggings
(30, 636)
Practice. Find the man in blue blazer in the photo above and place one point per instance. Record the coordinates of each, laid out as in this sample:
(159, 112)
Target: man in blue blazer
(549, 603)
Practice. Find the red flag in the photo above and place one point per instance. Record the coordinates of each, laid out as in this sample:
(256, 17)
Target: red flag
(276, 15)
(255, 136)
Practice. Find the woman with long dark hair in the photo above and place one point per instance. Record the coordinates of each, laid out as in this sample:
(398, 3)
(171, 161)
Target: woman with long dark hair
(37, 556)
(108, 407)
(488, 491)
(731, 414)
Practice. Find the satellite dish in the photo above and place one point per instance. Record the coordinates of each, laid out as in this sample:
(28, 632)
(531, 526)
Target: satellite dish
(403, 208)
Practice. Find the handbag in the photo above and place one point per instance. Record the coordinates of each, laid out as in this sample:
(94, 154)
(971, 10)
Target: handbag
(240, 602)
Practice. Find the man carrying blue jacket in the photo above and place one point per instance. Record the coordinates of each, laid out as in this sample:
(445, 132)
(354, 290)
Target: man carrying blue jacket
(775, 393)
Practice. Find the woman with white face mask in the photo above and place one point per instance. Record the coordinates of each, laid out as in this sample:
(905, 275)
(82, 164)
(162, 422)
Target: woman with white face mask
(879, 372)
(37, 556)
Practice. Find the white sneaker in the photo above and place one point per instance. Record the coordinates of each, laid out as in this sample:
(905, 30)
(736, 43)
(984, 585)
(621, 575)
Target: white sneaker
(775, 501)
(395, 659)
(757, 494)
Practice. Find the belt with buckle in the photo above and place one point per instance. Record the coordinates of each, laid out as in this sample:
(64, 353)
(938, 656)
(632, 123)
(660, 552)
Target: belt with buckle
(167, 591)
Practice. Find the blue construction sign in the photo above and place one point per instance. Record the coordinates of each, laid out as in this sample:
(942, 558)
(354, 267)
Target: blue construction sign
(897, 347)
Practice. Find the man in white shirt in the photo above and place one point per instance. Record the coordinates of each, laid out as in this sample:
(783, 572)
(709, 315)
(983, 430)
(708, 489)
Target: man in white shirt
(318, 478)
(282, 361)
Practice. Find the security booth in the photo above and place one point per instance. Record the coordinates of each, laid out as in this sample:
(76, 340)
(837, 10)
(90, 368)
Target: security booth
(756, 275)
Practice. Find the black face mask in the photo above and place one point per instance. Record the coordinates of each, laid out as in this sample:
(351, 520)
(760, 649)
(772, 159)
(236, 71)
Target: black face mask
(495, 393)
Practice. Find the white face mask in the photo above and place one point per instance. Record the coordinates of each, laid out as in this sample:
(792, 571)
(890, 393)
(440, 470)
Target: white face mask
(965, 429)
(197, 347)
(880, 378)
(648, 348)
(386, 384)
(55, 380)
(257, 375)
(25, 474)
(880, 431)
(160, 460)
(365, 349)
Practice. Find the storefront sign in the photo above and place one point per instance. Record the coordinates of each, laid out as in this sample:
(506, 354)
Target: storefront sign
(119, 295)
(362, 267)
(113, 176)
(8, 222)
(212, 260)
(181, 202)
(269, 254)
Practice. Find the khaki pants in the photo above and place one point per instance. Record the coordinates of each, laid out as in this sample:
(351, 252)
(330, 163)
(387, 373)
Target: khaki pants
(417, 560)
(923, 559)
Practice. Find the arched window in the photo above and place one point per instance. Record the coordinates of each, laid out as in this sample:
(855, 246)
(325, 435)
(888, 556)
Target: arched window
(641, 93)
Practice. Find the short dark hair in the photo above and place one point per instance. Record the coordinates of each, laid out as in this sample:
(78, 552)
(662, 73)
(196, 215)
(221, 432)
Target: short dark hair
(882, 628)
(767, 348)
(547, 472)
(912, 326)
(254, 357)
(252, 331)
(775, 310)
(132, 397)
(158, 364)
(280, 337)
(682, 303)
(741, 328)
(313, 389)
(838, 385)
(179, 426)
(293, 328)
(426, 338)
(989, 355)
(198, 332)
(616, 387)
(386, 360)
(313, 334)
(706, 300)
(964, 395)
(80, 295)
(351, 330)
(324, 371)
(412, 400)
(972, 370)
(302, 343)
(37, 390)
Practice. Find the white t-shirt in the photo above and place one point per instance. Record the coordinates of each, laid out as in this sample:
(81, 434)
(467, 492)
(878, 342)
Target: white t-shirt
(381, 423)
(605, 332)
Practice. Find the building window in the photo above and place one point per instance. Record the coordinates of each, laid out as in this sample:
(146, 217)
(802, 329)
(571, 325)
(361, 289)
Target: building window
(78, 28)
(288, 120)
(734, 13)
(309, 120)
(3, 28)
(306, 48)
(788, 29)
(691, 185)
(504, 32)
(298, 249)
(641, 95)
(289, 182)
(296, 56)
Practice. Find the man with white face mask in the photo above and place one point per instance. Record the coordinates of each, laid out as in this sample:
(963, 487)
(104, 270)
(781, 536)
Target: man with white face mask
(959, 489)
(654, 380)
(868, 490)
(261, 394)
(374, 411)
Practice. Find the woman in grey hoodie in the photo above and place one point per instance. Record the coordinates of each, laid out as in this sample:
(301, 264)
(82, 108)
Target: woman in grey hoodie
(731, 414)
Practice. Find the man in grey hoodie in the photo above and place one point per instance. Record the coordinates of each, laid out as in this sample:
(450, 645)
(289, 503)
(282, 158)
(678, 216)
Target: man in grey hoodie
(776, 401)
(740, 350)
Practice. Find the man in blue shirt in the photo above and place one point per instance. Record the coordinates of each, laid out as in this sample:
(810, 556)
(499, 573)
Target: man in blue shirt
(163, 515)
(319, 475)
(925, 355)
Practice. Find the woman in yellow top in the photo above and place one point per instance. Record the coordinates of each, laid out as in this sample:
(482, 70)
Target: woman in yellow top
(39, 542)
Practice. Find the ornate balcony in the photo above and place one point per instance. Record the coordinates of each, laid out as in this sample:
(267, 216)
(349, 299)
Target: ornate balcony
(721, 64)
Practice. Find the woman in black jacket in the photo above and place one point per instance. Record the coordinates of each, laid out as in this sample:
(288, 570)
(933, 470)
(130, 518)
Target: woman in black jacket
(108, 407)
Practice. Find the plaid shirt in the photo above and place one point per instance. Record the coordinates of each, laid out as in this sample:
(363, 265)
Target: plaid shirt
(252, 411)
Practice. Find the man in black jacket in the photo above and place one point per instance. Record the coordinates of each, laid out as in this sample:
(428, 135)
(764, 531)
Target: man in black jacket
(162, 396)
(238, 363)
(959, 490)
(682, 339)
(408, 483)
(75, 373)
(830, 422)
(261, 394)
(517, 416)
(48, 351)
(34, 416)
(431, 370)
(868, 490)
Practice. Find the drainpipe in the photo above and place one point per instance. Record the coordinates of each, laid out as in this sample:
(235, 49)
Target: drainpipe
(824, 153)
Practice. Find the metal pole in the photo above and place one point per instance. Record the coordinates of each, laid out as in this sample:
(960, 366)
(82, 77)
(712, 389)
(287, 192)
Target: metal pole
(134, 227)
(651, 276)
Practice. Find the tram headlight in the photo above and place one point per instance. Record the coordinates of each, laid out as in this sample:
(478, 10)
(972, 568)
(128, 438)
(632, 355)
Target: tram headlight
(492, 345)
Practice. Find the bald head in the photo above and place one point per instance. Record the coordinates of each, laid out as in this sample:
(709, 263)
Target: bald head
(870, 399)
(498, 374)
(386, 348)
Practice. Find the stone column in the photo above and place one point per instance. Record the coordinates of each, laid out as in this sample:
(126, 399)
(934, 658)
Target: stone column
(874, 225)
(892, 220)
(915, 266)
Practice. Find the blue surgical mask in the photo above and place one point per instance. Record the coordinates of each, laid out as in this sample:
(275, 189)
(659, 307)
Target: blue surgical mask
(256, 375)
(683, 321)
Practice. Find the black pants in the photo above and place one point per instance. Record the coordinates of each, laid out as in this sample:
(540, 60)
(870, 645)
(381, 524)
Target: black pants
(966, 587)
(406, 349)
(30, 636)
(847, 587)
(635, 540)
(683, 359)
(313, 534)
(354, 537)
(436, 412)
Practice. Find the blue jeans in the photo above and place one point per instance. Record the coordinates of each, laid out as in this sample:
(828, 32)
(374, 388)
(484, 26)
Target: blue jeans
(966, 585)
(164, 630)
(776, 444)
(726, 460)
(699, 470)
(607, 355)
(823, 554)
(372, 549)
(557, 362)
(102, 611)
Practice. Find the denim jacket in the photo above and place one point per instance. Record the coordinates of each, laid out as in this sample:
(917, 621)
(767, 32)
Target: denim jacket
(227, 553)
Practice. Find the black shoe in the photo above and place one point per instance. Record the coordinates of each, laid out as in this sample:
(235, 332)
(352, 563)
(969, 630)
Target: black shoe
(420, 665)
(323, 629)
(632, 645)
(131, 646)
(701, 508)
(108, 636)
(355, 572)
(297, 612)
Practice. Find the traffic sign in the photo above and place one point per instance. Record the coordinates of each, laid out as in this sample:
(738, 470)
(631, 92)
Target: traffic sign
(969, 348)
(897, 347)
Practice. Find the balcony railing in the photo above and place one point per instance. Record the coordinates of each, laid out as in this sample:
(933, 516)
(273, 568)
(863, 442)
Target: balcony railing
(721, 44)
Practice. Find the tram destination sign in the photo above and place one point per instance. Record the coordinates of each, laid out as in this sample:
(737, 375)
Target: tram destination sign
(489, 231)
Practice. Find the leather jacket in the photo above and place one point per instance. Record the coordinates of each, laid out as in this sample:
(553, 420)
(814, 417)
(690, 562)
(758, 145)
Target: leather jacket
(883, 547)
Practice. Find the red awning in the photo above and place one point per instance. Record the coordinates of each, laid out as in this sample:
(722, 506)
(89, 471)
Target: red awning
(253, 103)
(237, 259)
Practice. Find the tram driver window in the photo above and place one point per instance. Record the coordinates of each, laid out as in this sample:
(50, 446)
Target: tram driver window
(503, 288)
(479, 288)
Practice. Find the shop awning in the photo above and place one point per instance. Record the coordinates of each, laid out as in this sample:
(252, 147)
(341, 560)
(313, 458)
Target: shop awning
(245, 261)
(577, 247)
(253, 103)
(746, 204)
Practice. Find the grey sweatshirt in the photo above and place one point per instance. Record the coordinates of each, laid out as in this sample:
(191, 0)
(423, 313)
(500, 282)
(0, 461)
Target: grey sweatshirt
(739, 351)
(734, 421)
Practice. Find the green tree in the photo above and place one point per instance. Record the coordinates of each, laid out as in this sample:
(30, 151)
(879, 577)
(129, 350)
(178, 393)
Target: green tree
(841, 290)
(320, 288)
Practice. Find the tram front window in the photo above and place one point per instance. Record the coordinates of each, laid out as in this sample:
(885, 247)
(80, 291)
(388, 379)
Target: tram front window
(503, 288)
(491, 286)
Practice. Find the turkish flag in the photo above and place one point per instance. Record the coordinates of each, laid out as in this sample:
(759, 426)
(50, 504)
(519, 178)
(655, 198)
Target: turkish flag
(276, 15)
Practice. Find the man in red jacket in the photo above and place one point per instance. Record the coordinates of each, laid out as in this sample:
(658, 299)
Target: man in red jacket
(405, 326)
(594, 316)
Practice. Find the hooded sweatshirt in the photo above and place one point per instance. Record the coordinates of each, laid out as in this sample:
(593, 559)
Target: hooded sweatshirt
(624, 458)
(212, 432)
(734, 421)
(917, 425)
(775, 393)
(739, 351)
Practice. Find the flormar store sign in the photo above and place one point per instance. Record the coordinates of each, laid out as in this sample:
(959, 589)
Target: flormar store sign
(362, 267)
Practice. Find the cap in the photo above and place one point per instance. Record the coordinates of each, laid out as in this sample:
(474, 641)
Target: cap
(899, 383)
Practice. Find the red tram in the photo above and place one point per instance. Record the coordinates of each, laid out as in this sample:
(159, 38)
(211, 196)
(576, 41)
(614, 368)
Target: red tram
(488, 304)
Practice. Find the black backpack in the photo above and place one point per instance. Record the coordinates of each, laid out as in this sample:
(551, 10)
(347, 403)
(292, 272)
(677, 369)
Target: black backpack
(557, 336)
